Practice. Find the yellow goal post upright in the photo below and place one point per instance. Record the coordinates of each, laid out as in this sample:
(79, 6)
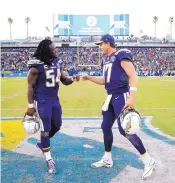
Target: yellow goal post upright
(87, 45)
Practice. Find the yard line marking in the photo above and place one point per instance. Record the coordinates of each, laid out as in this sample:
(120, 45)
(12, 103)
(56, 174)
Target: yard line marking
(82, 109)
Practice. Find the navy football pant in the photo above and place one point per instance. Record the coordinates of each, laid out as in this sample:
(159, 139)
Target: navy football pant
(116, 105)
(50, 115)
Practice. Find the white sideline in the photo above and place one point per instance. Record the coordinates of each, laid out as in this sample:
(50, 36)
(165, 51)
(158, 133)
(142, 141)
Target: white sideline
(83, 109)
(148, 123)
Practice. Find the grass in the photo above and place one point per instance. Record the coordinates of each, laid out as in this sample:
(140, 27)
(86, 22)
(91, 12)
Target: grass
(155, 97)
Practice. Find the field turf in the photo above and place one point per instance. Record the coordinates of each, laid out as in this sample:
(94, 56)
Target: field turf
(155, 97)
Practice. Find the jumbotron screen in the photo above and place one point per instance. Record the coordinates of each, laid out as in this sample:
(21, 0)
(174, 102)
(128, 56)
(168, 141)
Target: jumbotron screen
(77, 25)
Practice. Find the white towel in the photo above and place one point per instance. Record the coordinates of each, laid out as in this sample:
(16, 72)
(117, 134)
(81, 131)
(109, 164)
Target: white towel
(106, 104)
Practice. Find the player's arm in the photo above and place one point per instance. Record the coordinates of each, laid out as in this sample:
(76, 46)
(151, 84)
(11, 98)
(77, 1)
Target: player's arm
(98, 80)
(133, 81)
(68, 80)
(32, 78)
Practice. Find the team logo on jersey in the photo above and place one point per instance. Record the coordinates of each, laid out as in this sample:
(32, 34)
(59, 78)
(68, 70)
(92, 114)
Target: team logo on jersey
(60, 61)
(112, 59)
(45, 66)
(107, 58)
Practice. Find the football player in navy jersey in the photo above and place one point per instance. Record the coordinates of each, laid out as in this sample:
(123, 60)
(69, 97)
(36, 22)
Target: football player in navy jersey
(120, 80)
(45, 72)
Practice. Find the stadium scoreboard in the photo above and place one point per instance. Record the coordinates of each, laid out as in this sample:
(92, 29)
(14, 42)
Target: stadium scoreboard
(81, 25)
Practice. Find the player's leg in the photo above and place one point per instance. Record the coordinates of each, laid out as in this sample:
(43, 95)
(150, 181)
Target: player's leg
(148, 161)
(54, 129)
(118, 103)
(56, 121)
(134, 139)
(44, 110)
(108, 121)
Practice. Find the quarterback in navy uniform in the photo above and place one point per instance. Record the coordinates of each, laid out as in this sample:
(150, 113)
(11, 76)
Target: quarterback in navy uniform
(45, 72)
(120, 80)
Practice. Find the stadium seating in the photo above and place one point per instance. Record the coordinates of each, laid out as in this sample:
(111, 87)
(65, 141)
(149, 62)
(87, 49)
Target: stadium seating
(148, 61)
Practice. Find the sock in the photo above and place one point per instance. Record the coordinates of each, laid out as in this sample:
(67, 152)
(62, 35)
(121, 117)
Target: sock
(45, 142)
(108, 155)
(145, 157)
(47, 155)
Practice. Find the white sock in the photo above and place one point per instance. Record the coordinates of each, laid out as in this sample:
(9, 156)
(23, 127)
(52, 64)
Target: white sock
(108, 155)
(47, 155)
(146, 158)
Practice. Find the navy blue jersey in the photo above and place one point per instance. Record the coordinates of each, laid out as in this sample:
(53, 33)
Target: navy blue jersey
(116, 80)
(47, 84)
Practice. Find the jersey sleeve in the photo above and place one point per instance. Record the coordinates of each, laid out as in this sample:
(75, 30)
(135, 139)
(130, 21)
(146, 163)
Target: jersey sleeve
(125, 55)
(60, 62)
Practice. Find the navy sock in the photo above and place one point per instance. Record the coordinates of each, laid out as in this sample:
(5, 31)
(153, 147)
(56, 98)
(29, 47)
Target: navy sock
(45, 143)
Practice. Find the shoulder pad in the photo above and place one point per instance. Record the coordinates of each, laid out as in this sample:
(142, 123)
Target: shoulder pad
(124, 54)
(34, 62)
(124, 50)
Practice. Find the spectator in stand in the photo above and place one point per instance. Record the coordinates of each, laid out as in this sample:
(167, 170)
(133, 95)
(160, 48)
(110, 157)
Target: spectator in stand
(148, 61)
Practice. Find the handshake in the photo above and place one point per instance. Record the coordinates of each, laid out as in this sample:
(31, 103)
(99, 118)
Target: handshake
(78, 77)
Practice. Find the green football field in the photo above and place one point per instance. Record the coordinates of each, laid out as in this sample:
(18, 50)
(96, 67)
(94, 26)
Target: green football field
(155, 97)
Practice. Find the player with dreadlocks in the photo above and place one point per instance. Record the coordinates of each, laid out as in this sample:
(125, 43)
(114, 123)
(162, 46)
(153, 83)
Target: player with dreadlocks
(45, 72)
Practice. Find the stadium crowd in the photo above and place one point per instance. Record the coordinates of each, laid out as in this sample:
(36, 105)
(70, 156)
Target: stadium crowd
(148, 61)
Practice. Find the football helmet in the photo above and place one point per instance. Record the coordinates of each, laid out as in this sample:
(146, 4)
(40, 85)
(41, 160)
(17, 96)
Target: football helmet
(130, 121)
(31, 123)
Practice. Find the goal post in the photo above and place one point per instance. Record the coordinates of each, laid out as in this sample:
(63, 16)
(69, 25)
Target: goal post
(88, 55)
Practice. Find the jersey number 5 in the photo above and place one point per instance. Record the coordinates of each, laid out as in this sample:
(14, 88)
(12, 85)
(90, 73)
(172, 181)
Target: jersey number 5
(50, 76)
(107, 71)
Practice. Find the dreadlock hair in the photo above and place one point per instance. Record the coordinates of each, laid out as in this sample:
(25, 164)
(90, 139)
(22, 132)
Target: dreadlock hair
(42, 52)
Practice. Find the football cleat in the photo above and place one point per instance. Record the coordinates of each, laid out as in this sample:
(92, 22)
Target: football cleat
(51, 166)
(148, 169)
(104, 162)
